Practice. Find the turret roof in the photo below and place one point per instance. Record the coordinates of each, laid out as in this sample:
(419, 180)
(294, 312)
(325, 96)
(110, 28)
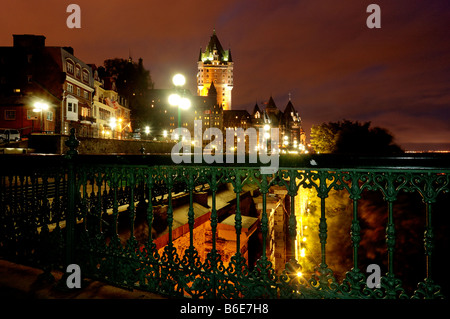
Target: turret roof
(271, 104)
(215, 45)
(256, 109)
(212, 89)
(289, 108)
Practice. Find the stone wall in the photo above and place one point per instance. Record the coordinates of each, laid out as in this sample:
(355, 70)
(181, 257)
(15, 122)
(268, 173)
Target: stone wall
(54, 144)
(277, 244)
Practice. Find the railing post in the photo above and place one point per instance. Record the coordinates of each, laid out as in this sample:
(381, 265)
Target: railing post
(213, 256)
(292, 267)
(72, 143)
(391, 285)
(428, 289)
(428, 240)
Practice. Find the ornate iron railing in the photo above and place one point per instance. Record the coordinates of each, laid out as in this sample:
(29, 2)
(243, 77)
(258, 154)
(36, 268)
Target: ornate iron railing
(56, 211)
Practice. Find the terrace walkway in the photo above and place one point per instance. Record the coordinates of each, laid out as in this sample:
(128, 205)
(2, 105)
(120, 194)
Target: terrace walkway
(23, 282)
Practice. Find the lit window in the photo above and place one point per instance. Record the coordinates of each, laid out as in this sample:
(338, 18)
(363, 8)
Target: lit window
(31, 115)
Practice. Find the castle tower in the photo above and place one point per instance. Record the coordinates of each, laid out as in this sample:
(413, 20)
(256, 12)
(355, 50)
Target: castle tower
(215, 65)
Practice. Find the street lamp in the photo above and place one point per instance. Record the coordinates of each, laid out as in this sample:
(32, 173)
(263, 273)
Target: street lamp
(178, 80)
(38, 108)
(112, 124)
(179, 100)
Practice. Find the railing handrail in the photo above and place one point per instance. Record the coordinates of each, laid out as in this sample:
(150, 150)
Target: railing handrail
(429, 162)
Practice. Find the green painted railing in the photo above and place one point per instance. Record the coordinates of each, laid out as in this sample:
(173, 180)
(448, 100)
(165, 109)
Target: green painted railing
(59, 210)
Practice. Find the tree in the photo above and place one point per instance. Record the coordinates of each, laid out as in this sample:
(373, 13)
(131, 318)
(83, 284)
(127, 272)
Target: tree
(347, 137)
(133, 82)
(323, 137)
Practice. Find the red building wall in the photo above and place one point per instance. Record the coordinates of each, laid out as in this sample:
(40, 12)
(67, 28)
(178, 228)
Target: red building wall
(25, 120)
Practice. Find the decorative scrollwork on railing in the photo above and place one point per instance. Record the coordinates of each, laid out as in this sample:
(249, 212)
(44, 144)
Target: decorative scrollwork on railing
(128, 222)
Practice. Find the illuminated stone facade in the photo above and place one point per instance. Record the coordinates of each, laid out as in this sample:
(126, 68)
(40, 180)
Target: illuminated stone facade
(215, 65)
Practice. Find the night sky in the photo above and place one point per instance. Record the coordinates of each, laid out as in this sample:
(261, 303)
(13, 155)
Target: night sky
(321, 52)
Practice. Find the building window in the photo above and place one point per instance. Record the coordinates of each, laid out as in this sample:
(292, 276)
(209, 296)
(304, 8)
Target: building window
(78, 72)
(69, 88)
(104, 114)
(84, 111)
(72, 109)
(86, 95)
(85, 76)
(31, 115)
(69, 67)
(50, 116)
(72, 106)
(78, 92)
(10, 115)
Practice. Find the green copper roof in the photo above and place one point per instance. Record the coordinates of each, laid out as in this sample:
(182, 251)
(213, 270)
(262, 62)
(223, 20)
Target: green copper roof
(214, 46)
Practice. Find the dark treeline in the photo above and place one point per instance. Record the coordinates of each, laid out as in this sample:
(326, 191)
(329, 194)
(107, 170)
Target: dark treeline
(348, 137)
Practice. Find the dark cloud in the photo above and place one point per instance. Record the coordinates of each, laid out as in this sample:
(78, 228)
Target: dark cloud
(319, 51)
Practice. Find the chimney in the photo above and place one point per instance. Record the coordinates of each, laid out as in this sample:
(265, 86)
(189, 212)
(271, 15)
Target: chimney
(68, 49)
(28, 40)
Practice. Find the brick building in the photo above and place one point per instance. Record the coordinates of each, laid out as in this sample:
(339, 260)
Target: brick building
(110, 116)
(30, 73)
(68, 91)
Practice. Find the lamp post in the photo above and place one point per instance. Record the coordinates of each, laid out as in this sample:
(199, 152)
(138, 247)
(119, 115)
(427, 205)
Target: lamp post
(38, 108)
(177, 99)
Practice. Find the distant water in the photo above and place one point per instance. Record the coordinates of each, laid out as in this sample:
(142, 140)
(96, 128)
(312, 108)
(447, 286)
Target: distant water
(426, 147)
